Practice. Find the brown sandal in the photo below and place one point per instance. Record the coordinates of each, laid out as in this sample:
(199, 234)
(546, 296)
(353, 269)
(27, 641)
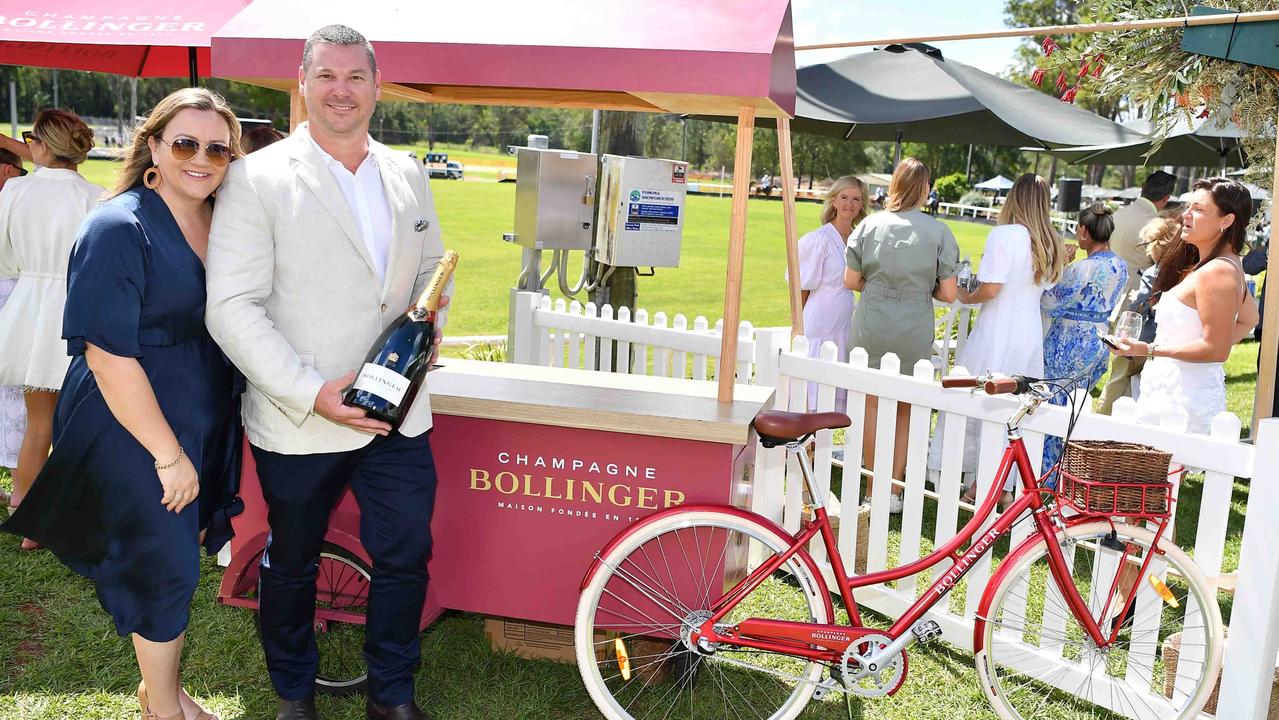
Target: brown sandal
(146, 707)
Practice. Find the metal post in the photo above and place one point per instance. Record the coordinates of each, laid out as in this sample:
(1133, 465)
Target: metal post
(897, 150)
(55, 89)
(595, 132)
(968, 171)
(193, 67)
(13, 109)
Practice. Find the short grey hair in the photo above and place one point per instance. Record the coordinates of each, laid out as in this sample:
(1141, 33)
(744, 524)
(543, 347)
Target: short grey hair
(336, 35)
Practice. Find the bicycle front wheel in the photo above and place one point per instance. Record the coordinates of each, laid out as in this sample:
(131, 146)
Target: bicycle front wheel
(1037, 662)
(661, 581)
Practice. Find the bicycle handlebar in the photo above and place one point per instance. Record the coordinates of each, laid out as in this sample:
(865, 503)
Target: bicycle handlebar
(1015, 385)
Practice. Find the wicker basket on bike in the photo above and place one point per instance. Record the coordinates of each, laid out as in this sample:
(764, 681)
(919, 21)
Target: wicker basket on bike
(1116, 478)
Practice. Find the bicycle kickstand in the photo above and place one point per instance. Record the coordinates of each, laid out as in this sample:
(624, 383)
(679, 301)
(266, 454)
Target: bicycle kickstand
(848, 704)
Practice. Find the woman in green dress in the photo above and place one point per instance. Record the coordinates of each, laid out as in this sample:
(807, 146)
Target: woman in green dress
(899, 260)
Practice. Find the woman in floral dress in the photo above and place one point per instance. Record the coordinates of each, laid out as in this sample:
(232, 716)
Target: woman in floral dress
(1079, 308)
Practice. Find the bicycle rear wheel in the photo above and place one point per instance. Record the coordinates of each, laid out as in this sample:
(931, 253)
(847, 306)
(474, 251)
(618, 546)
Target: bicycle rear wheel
(660, 581)
(1037, 662)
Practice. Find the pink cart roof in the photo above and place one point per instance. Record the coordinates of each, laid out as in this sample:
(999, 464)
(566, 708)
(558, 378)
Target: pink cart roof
(659, 55)
(145, 38)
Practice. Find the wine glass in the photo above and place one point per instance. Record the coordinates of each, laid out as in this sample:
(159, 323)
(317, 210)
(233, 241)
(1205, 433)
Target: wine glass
(1129, 326)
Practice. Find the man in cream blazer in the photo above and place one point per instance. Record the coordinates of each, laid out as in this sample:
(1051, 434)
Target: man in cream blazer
(318, 242)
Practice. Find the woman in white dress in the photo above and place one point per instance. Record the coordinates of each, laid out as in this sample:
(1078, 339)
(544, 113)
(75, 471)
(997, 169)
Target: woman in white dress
(1023, 257)
(1203, 308)
(828, 305)
(40, 215)
(13, 414)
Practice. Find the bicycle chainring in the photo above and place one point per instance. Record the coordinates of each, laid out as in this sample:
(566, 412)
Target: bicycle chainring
(863, 681)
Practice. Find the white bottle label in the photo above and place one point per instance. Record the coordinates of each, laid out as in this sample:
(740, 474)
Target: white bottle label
(383, 382)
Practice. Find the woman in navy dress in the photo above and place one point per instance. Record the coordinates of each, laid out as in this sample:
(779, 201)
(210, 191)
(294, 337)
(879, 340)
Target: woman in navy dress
(145, 456)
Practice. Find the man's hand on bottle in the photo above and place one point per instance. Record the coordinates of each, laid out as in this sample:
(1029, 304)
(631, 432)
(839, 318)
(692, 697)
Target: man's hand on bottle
(439, 334)
(328, 404)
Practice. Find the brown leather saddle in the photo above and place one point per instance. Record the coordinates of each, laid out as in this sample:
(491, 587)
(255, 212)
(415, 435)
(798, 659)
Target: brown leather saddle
(778, 427)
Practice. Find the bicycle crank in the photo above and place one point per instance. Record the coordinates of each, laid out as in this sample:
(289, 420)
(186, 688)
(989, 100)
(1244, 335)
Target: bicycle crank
(864, 675)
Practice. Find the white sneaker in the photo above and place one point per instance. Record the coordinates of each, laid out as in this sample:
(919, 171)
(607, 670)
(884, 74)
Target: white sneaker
(895, 504)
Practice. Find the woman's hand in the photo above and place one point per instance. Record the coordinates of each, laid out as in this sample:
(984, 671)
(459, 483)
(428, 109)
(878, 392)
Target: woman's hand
(181, 485)
(1129, 347)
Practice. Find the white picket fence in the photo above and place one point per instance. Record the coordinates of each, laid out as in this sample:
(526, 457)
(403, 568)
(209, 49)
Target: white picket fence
(553, 334)
(556, 333)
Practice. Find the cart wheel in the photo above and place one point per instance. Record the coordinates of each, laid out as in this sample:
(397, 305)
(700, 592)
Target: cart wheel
(341, 604)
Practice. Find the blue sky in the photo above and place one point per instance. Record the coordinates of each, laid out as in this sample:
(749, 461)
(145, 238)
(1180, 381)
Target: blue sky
(818, 21)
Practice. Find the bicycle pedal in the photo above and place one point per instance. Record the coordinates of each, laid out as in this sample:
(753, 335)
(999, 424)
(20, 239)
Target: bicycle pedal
(926, 631)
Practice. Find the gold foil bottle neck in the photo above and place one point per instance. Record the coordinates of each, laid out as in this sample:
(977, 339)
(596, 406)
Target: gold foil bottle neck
(429, 300)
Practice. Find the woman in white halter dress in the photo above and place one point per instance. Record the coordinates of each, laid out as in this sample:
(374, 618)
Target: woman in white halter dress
(1203, 310)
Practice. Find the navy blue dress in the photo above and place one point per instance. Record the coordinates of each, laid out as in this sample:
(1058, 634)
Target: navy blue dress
(135, 288)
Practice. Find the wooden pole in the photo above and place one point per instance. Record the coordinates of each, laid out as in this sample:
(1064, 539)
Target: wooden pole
(736, 253)
(297, 109)
(788, 221)
(1080, 29)
(1263, 401)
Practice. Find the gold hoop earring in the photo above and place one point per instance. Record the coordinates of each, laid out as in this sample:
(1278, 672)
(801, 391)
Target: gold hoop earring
(151, 178)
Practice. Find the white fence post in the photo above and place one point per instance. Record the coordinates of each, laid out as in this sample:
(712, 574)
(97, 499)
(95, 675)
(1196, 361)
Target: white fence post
(522, 347)
(1248, 673)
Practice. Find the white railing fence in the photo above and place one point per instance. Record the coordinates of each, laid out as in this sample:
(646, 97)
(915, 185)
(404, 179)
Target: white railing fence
(559, 334)
(556, 334)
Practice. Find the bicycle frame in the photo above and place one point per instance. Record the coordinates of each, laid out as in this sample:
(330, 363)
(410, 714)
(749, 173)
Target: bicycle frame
(826, 643)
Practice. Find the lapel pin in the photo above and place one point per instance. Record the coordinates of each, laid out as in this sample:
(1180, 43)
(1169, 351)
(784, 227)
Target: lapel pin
(421, 225)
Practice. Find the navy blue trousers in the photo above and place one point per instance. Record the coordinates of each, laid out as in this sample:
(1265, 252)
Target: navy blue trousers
(393, 479)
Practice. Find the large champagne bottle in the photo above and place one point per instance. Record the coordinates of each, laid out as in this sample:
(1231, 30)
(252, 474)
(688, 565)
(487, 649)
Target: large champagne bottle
(396, 364)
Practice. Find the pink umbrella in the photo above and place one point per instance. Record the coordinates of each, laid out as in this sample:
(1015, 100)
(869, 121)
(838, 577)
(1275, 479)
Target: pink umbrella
(659, 55)
(139, 38)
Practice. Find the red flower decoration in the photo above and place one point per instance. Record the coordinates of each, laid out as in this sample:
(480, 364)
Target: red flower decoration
(1203, 114)
(1061, 82)
(1037, 76)
(1096, 69)
(1082, 71)
(1049, 46)
(1070, 94)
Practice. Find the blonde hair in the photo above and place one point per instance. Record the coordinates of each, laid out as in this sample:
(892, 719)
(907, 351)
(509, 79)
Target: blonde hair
(909, 187)
(137, 158)
(1027, 205)
(842, 184)
(1158, 235)
(64, 134)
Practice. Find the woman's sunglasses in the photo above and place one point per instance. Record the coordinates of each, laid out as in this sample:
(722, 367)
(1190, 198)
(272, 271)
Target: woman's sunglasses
(28, 136)
(185, 149)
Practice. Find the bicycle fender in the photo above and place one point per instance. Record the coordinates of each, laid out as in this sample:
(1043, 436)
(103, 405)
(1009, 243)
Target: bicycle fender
(803, 554)
(1005, 567)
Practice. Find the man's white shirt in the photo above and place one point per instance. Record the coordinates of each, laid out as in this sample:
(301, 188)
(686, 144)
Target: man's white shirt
(367, 201)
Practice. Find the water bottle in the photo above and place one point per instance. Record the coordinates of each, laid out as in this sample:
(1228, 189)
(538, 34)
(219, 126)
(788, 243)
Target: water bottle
(1251, 282)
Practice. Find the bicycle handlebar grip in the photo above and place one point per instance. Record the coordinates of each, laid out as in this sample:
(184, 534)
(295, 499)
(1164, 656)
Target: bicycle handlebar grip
(959, 381)
(999, 386)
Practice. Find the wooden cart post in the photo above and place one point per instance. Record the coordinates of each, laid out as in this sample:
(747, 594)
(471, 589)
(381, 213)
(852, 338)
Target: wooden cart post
(736, 253)
(788, 220)
(297, 109)
(1263, 402)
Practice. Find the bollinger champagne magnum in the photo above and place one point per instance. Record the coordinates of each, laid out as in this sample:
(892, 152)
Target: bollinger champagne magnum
(396, 364)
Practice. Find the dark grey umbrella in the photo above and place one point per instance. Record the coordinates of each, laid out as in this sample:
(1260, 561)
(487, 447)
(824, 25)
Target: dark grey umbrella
(1208, 142)
(912, 93)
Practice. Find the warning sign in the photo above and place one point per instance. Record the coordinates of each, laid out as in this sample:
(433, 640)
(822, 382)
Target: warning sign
(652, 210)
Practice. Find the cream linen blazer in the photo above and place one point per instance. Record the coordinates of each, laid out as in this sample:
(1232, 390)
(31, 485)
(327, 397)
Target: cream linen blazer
(293, 298)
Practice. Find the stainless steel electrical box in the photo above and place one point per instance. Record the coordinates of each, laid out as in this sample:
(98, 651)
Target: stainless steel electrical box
(641, 211)
(554, 199)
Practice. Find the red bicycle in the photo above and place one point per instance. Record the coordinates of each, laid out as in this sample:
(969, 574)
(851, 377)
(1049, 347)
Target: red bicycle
(714, 612)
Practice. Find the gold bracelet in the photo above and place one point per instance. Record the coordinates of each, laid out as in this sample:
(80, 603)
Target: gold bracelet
(181, 454)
